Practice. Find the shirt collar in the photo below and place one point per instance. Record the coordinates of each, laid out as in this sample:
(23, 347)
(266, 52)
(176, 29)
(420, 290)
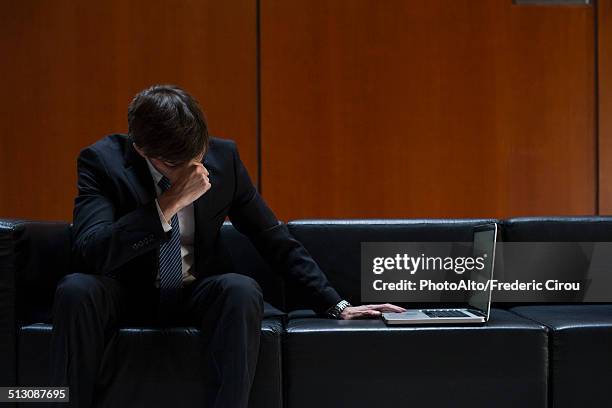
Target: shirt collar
(157, 176)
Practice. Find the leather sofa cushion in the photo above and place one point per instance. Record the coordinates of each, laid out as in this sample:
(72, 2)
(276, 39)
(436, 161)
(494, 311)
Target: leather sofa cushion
(364, 363)
(581, 352)
(557, 229)
(336, 246)
(155, 367)
(568, 261)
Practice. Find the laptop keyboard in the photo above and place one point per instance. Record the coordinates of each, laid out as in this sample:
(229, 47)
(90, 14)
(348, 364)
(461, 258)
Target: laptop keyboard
(445, 313)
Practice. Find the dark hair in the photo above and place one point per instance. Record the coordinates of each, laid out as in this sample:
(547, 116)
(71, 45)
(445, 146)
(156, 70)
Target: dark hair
(167, 123)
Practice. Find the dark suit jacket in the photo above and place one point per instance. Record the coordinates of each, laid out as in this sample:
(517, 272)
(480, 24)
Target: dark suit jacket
(117, 230)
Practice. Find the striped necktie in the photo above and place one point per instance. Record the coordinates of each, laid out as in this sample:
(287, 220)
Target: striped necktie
(170, 264)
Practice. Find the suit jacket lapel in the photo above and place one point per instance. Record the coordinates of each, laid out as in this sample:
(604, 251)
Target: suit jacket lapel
(143, 188)
(138, 174)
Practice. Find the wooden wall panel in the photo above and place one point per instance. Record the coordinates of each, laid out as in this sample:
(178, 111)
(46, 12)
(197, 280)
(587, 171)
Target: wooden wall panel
(71, 67)
(427, 109)
(604, 30)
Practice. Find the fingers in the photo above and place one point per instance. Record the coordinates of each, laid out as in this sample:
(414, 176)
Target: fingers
(387, 307)
(203, 168)
(197, 165)
(368, 314)
(371, 311)
(361, 312)
(195, 176)
(193, 165)
(200, 171)
(395, 308)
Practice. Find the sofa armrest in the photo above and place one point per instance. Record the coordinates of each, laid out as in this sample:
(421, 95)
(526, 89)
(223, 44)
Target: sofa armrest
(8, 341)
(33, 256)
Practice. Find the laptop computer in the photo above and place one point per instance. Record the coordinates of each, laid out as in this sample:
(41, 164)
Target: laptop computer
(479, 301)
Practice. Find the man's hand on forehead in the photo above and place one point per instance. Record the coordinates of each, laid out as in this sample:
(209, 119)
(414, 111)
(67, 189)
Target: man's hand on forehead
(189, 182)
(173, 171)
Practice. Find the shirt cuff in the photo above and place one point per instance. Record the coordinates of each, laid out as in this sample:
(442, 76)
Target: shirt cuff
(167, 227)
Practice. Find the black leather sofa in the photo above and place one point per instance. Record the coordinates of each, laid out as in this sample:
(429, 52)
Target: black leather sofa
(527, 355)
(580, 335)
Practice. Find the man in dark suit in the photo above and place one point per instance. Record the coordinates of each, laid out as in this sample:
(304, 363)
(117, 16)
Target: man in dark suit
(146, 225)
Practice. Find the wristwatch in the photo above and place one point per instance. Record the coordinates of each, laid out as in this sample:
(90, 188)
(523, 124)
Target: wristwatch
(335, 311)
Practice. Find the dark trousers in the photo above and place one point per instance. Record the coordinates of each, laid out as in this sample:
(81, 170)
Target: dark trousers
(89, 309)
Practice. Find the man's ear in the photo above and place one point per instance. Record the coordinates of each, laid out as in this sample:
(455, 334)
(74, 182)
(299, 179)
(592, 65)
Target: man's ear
(139, 150)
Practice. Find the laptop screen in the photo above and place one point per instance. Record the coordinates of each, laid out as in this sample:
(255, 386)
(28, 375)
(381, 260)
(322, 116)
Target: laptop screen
(484, 246)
